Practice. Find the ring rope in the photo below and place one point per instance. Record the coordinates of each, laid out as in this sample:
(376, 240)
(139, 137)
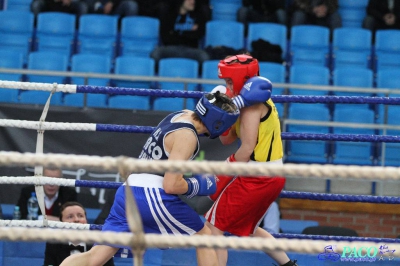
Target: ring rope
(196, 94)
(183, 241)
(113, 164)
(98, 227)
(148, 129)
(44, 180)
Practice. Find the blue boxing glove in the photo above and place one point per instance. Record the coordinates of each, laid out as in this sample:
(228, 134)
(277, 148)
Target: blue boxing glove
(201, 185)
(255, 90)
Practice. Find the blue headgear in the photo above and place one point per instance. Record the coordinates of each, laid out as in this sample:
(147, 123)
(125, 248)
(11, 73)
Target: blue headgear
(216, 120)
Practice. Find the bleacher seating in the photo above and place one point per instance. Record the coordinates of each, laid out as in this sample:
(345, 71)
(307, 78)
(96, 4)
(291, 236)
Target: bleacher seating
(139, 35)
(352, 12)
(210, 71)
(273, 32)
(16, 31)
(309, 44)
(307, 151)
(50, 61)
(89, 63)
(97, 34)
(55, 31)
(357, 153)
(276, 73)
(309, 75)
(178, 68)
(224, 33)
(131, 65)
(10, 59)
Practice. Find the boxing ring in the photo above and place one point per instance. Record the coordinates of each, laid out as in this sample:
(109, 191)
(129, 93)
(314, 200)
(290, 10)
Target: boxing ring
(140, 242)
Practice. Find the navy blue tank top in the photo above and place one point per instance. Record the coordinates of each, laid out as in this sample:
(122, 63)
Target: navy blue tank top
(154, 149)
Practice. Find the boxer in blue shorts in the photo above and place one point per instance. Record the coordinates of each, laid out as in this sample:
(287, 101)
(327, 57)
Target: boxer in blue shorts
(161, 209)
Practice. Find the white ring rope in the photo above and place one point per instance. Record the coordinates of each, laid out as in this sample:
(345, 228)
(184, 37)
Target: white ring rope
(39, 224)
(37, 181)
(35, 86)
(47, 125)
(213, 167)
(184, 241)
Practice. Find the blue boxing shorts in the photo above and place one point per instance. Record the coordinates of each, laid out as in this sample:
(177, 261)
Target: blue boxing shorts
(161, 213)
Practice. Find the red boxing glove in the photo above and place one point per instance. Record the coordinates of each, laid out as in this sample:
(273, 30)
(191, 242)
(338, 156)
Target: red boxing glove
(231, 159)
(226, 132)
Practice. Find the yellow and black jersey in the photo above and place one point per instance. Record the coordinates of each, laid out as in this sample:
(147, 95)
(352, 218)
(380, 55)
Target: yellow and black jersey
(269, 142)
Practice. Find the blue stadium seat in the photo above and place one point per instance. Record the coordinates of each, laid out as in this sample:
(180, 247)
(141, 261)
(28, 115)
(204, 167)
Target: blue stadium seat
(16, 31)
(50, 61)
(177, 68)
(224, 33)
(134, 66)
(10, 59)
(386, 79)
(296, 226)
(392, 150)
(273, 32)
(18, 5)
(210, 71)
(353, 77)
(387, 61)
(387, 42)
(357, 153)
(308, 151)
(225, 10)
(139, 35)
(309, 44)
(89, 63)
(309, 75)
(352, 46)
(276, 73)
(352, 17)
(354, 39)
(97, 34)
(55, 32)
(346, 58)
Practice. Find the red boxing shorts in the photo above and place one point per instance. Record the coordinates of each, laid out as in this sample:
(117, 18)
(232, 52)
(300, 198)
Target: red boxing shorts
(242, 203)
(222, 182)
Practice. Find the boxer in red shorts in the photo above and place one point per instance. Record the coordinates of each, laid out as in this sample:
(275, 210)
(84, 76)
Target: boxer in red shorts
(240, 203)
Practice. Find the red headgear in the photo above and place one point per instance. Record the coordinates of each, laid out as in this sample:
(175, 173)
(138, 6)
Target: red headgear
(239, 68)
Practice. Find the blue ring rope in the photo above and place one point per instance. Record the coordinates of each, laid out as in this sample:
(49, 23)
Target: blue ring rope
(283, 194)
(275, 98)
(284, 135)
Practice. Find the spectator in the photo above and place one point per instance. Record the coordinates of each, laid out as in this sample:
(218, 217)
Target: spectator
(181, 31)
(54, 197)
(382, 14)
(75, 7)
(121, 8)
(152, 8)
(262, 11)
(317, 12)
(271, 221)
(55, 253)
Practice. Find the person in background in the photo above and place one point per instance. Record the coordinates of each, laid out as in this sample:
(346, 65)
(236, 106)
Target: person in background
(273, 11)
(75, 7)
(55, 253)
(181, 30)
(120, 8)
(54, 197)
(382, 14)
(316, 12)
(271, 221)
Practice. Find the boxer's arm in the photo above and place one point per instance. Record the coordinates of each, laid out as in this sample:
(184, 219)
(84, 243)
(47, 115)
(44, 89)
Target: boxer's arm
(181, 145)
(250, 121)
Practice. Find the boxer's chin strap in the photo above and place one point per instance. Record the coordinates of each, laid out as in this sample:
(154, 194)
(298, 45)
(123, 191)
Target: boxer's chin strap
(39, 150)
